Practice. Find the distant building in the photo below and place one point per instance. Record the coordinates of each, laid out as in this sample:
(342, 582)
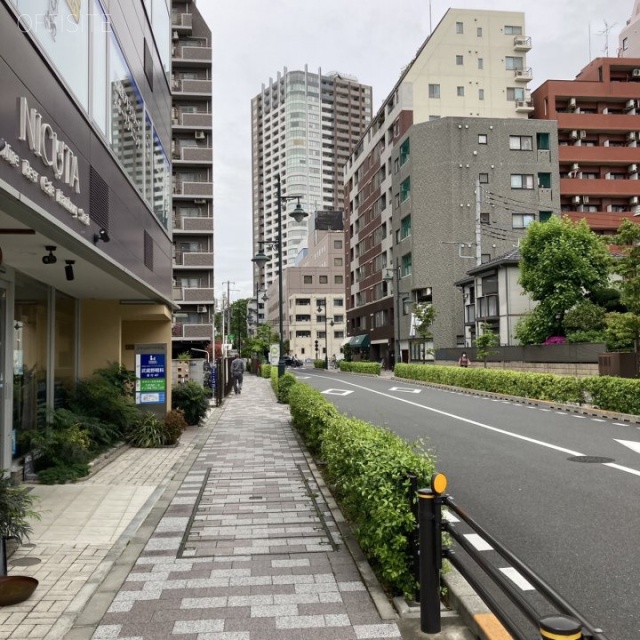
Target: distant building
(598, 138)
(629, 40)
(192, 158)
(303, 126)
(472, 66)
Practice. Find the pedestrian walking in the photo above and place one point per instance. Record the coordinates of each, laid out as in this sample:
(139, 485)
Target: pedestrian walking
(237, 371)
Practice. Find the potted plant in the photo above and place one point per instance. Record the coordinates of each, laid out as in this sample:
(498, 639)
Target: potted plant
(16, 507)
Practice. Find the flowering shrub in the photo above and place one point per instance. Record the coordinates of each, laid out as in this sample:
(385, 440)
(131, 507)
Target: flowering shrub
(555, 340)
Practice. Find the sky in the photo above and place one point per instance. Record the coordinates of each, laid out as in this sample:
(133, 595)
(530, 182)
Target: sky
(371, 39)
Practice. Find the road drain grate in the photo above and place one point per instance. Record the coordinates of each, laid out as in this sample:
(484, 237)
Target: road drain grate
(596, 459)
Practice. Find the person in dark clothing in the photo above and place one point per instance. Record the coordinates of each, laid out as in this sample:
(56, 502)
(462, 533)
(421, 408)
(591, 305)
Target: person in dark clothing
(237, 371)
(464, 360)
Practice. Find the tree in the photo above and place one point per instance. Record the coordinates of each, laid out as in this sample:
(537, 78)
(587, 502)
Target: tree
(485, 341)
(627, 266)
(562, 262)
(425, 314)
(238, 322)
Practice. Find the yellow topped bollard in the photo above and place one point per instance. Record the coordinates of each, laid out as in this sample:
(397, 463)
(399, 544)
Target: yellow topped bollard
(560, 628)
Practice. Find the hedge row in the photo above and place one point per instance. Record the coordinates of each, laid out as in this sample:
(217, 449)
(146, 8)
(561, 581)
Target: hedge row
(361, 367)
(604, 392)
(368, 467)
(265, 370)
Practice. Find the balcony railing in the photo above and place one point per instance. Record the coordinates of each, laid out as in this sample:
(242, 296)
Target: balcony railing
(193, 294)
(197, 120)
(193, 224)
(523, 75)
(193, 154)
(194, 331)
(192, 55)
(189, 86)
(182, 21)
(193, 259)
(193, 189)
(522, 43)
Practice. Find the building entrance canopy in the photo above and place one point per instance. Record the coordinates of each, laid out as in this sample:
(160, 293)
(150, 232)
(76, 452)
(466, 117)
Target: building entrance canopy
(360, 342)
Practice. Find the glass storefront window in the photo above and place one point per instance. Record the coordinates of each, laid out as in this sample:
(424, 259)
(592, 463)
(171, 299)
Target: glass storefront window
(99, 43)
(64, 348)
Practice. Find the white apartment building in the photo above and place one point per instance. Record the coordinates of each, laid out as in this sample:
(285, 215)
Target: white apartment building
(473, 65)
(629, 39)
(304, 126)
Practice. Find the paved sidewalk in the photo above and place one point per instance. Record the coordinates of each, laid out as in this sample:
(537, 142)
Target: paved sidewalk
(230, 536)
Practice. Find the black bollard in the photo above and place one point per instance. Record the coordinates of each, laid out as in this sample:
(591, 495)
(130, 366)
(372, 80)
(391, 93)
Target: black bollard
(560, 628)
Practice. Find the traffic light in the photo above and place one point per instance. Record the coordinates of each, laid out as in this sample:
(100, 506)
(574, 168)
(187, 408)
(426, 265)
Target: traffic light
(316, 345)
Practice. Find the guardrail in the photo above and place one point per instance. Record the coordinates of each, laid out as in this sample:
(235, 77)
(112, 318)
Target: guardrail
(568, 623)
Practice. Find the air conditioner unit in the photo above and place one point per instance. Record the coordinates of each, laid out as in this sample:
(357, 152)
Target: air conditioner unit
(631, 136)
(572, 104)
(574, 135)
(202, 309)
(631, 104)
(635, 200)
(175, 36)
(576, 199)
(575, 167)
(199, 202)
(636, 73)
(200, 135)
(633, 168)
(585, 199)
(583, 134)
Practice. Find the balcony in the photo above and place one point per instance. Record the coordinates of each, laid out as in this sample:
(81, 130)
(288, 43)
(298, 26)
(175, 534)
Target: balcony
(193, 189)
(181, 87)
(198, 120)
(200, 331)
(523, 75)
(193, 225)
(522, 43)
(599, 187)
(191, 56)
(182, 22)
(524, 106)
(191, 259)
(602, 220)
(193, 295)
(193, 155)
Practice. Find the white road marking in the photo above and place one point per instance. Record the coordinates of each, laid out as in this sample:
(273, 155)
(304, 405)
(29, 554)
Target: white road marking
(478, 542)
(621, 424)
(598, 420)
(336, 392)
(303, 377)
(545, 409)
(450, 517)
(518, 579)
(561, 413)
(619, 467)
(405, 390)
(634, 446)
(581, 417)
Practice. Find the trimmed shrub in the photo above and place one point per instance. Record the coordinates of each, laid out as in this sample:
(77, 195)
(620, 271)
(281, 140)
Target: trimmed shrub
(265, 370)
(319, 364)
(284, 385)
(274, 379)
(191, 398)
(614, 394)
(361, 367)
(310, 414)
(175, 424)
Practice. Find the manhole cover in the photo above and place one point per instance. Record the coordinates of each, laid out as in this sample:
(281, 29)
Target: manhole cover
(597, 459)
(25, 562)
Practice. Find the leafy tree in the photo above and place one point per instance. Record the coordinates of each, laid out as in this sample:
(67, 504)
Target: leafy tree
(585, 316)
(627, 266)
(561, 263)
(425, 313)
(619, 334)
(485, 341)
(238, 322)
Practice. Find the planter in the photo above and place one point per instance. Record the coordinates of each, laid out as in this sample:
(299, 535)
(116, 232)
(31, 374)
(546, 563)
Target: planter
(16, 589)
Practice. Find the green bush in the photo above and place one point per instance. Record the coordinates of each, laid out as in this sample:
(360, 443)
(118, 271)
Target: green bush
(148, 431)
(174, 424)
(265, 370)
(63, 474)
(274, 379)
(319, 364)
(58, 446)
(284, 385)
(191, 398)
(361, 367)
(368, 467)
(614, 394)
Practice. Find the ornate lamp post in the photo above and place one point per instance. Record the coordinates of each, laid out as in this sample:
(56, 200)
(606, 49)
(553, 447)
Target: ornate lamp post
(393, 276)
(321, 304)
(260, 259)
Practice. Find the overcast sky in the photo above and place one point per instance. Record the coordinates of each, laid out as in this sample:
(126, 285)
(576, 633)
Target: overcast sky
(371, 39)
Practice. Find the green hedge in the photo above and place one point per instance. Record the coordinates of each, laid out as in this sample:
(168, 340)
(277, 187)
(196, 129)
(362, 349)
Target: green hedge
(368, 466)
(265, 370)
(605, 392)
(361, 367)
(319, 364)
(274, 379)
(284, 385)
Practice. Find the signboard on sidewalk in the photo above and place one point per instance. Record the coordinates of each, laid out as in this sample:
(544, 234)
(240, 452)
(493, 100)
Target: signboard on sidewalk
(274, 354)
(151, 377)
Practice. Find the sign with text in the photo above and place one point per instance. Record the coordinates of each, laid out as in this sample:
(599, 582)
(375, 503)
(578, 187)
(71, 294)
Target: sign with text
(151, 377)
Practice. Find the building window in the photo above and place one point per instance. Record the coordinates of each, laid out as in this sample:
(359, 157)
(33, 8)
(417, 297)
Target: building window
(512, 30)
(338, 280)
(405, 269)
(459, 27)
(338, 302)
(480, 63)
(625, 44)
(522, 220)
(515, 94)
(308, 279)
(544, 180)
(543, 141)
(479, 32)
(483, 178)
(337, 262)
(514, 63)
(545, 216)
(482, 138)
(480, 94)
(460, 91)
(405, 189)
(337, 244)
(459, 60)
(521, 181)
(405, 227)
(434, 90)
(323, 279)
(521, 143)
(404, 151)
(338, 319)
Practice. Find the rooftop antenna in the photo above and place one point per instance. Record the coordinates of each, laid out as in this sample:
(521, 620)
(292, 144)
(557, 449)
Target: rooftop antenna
(605, 33)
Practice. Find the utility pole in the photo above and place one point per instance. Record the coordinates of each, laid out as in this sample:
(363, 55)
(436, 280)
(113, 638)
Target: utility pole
(228, 310)
(478, 227)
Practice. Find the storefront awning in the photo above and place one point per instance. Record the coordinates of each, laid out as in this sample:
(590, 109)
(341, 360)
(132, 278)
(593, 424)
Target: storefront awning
(360, 342)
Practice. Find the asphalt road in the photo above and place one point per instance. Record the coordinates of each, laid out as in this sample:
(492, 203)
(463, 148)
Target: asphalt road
(509, 465)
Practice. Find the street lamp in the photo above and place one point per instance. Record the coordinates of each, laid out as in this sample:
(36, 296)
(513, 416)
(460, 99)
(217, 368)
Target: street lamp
(393, 276)
(322, 303)
(260, 259)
